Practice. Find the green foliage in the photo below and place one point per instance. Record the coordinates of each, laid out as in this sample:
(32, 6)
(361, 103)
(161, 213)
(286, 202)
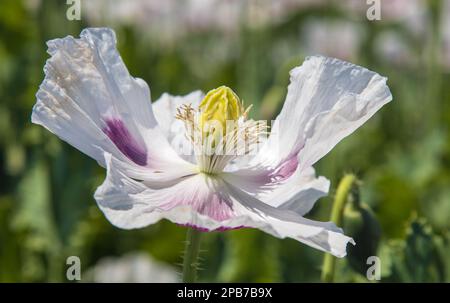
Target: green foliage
(421, 256)
(250, 256)
(402, 155)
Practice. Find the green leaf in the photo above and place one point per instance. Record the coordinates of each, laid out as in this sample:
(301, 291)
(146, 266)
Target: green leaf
(34, 220)
(251, 257)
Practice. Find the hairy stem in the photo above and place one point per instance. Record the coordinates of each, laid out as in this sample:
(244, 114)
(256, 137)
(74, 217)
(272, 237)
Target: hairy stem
(191, 252)
(343, 190)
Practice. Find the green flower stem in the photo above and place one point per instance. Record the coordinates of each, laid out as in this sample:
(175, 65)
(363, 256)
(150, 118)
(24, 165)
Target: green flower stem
(343, 190)
(191, 252)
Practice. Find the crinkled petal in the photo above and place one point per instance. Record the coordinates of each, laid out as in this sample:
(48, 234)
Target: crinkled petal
(128, 203)
(208, 203)
(89, 99)
(327, 100)
(297, 193)
(283, 223)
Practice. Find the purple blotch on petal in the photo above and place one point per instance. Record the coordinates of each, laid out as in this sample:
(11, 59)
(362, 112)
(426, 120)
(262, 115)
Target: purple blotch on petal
(286, 168)
(221, 228)
(216, 206)
(119, 134)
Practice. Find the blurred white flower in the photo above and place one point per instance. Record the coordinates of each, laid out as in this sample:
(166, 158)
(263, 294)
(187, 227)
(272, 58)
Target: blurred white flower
(391, 48)
(334, 38)
(446, 35)
(32, 5)
(411, 13)
(131, 268)
(175, 17)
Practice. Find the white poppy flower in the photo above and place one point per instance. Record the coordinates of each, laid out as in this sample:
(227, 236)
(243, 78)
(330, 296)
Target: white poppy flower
(89, 100)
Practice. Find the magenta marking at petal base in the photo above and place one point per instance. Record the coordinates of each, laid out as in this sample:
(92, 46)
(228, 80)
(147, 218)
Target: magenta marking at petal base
(221, 228)
(119, 134)
(215, 206)
(287, 168)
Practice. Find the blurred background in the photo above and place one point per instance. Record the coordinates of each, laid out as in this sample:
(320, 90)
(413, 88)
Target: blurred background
(401, 156)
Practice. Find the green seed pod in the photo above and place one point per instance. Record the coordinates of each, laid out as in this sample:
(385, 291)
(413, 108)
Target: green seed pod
(420, 255)
(361, 224)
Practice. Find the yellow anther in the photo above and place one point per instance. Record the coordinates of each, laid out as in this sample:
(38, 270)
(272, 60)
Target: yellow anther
(219, 106)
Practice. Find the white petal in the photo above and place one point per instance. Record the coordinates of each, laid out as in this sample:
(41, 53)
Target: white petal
(327, 100)
(89, 99)
(131, 204)
(326, 129)
(117, 198)
(165, 109)
(297, 193)
(283, 223)
(208, 204)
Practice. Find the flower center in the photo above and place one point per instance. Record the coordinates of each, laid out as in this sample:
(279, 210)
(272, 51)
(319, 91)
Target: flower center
(219, 129)
(219, 106)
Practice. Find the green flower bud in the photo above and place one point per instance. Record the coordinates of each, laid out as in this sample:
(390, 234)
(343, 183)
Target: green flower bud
(361, 224)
